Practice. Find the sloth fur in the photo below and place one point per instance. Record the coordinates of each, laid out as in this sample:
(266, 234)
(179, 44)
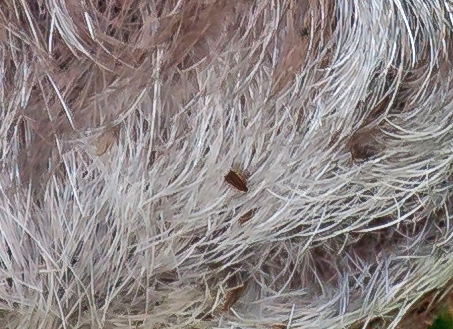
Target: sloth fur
(119, 120)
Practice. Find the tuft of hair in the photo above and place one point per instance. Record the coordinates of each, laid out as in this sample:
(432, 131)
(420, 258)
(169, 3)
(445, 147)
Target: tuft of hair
(119, 120)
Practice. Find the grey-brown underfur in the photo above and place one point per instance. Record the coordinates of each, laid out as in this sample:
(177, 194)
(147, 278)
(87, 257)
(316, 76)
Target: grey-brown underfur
(120, 119)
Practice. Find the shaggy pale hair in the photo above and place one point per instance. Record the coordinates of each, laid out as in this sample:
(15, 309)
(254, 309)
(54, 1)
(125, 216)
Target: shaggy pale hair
(119, 120)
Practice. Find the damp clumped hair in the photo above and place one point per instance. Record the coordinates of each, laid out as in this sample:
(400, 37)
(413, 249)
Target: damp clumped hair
(256, 164)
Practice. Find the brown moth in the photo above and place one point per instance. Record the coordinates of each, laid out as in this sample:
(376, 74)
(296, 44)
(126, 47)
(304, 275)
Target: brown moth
(279, 326)
(236, 180)
(106, 140)
(247, 216)
(233, 296)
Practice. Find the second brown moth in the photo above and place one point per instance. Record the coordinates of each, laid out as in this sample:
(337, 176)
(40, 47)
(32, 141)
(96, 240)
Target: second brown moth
(236, 180)
(232, 297)
(106, 140)
(247, 216)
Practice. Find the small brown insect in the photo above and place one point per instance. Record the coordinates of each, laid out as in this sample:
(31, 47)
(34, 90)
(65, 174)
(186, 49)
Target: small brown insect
(106, 140)
(247, 216)
(236, 180)
(233, 296)
(279, 326)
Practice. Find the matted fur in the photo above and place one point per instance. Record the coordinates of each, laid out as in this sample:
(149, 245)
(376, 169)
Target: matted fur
(120, 119)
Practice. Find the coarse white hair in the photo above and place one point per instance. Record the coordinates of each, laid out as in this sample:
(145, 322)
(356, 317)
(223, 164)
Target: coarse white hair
(120, 119)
